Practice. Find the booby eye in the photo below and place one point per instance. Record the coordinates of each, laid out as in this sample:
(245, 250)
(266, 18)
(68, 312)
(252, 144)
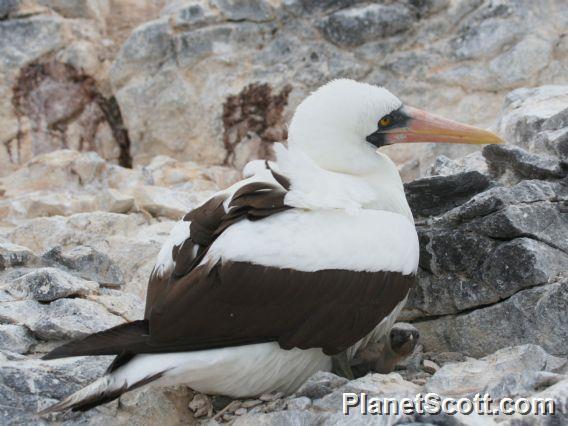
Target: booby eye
(385, 121)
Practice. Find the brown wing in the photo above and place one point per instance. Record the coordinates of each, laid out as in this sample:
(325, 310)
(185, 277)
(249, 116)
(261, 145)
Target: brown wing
(237, 303)
(253, 201)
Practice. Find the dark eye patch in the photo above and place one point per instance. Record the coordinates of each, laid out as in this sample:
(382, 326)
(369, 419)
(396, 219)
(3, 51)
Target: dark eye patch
(393, 120)
(397, 118)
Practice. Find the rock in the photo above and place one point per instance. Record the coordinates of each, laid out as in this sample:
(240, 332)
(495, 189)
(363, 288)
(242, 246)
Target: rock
(15, 338)
(128, 306)
(557, 393)
(25, 312)
(537, 264)
(249, 10)
(494, 199)
(471, 377)
(281, 417)
(114, 201)
(48, 284)
(538, 318)
(168, 203)
(251, 403)
(12, 255)
(7, 7)
(267, 397)
(301, 404)
(154, 405)
(87, 263)
(357, 25)
(430, 366)
(67, 319)
(126, 239)
(521, 164)
(522, 384)
(444, 166)
(80, 9)
(201, 405)
(392, 385)
(436, 194)
(443, 358)
(46, 57)
(320, 384)
(532, 114)
(543, 221)
(28, 386)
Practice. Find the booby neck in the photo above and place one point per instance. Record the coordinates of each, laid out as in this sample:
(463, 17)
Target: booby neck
(376, 186)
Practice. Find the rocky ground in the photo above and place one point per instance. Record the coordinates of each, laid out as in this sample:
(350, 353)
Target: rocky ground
(117, 117)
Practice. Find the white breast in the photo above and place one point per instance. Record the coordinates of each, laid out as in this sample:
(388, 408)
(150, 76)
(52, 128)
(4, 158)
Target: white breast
(360, 240)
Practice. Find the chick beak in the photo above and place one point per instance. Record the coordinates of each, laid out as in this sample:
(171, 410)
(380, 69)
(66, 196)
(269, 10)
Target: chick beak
(422, 126)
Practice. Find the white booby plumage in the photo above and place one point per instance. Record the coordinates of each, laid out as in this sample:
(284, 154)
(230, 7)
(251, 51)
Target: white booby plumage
(329, 214)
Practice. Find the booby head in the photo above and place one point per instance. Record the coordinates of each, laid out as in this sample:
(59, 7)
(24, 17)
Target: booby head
(343, 123)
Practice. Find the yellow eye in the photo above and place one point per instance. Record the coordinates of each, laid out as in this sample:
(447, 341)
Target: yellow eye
(385, 121)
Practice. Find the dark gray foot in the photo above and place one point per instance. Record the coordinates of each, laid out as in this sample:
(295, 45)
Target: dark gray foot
(340, 366)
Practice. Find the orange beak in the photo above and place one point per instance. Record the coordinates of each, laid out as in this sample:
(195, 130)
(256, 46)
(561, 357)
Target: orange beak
(422, 126)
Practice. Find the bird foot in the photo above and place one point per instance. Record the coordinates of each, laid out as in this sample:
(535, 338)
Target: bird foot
(340, 366)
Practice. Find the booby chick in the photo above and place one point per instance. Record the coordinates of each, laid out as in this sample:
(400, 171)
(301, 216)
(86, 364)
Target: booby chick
(298, 265)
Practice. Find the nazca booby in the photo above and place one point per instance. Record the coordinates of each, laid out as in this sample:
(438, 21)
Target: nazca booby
(307, 258)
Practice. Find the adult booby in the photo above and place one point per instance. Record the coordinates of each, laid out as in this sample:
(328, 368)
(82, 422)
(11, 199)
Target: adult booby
(305, 260)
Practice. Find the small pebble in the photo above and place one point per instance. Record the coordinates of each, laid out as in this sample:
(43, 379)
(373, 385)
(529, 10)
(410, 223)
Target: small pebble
(301, 403)
(241, 411)
(419, 382)
(232, 407)
(201, 406)
(249, 403)
(430, 366)
(271, 396)
(276, 405)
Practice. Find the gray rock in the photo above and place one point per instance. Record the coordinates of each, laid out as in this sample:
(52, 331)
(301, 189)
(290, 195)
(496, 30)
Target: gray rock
(12, 255)
(25, 312)
(15, 338)
(444, 166)
(557, 393)
(249, 10)
(392, 385)
(87, 263)
(522, 384)
(320, 384)
(126, 305)
(27, 386)
(536, 264)
(532, 315)
(471, 377)
(530, 112)
(301, 403)
(291, 417)
(357, 25)
(48, 284)
(494, 199)
(436, 194)
(67, 319)
(523, 165)
(7, 7)
(543, 221)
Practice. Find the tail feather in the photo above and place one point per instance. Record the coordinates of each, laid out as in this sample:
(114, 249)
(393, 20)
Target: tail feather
(130, 337)
(99, 392)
